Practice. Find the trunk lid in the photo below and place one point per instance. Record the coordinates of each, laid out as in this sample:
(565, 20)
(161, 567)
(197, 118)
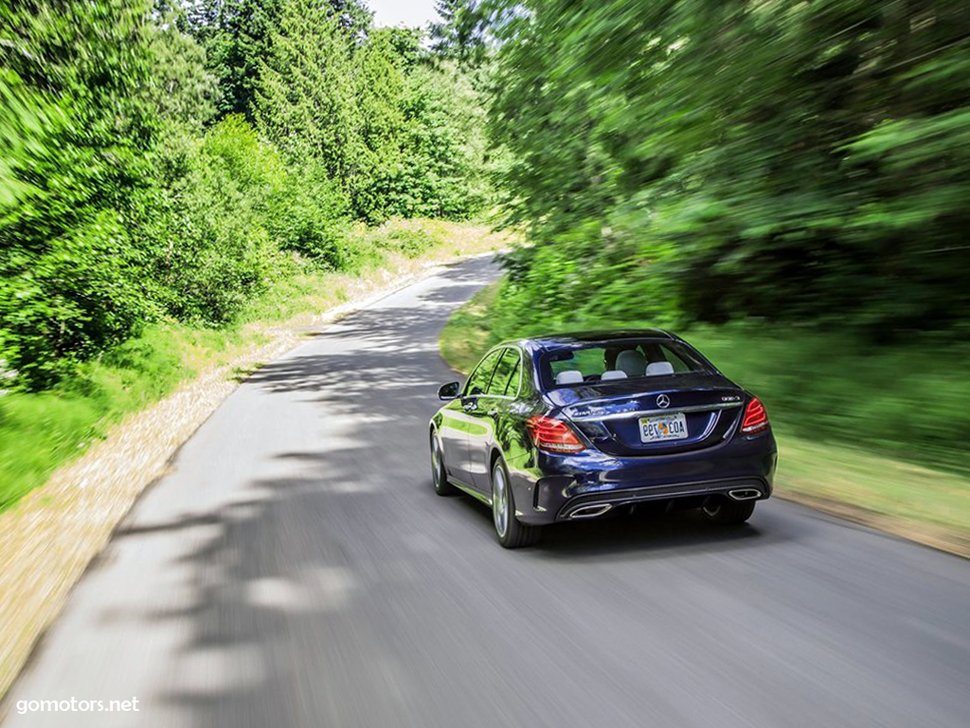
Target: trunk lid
(618, 416)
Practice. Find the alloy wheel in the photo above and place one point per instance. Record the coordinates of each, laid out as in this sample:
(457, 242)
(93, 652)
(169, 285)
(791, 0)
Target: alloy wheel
(500, 500)
(436, 462)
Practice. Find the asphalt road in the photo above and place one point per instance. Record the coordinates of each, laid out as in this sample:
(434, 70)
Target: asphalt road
(296, 569)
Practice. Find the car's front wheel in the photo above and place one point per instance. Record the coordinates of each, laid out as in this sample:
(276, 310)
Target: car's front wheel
(511, 533)
(438, 473)
(727, 512)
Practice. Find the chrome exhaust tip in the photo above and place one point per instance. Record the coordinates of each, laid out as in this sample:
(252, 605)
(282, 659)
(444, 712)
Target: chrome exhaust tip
(743, 494)
(592, 511)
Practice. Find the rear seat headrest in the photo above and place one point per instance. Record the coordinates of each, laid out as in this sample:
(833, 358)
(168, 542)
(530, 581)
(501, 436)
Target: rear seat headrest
(656, 368)
(570, 376)
(613, 374)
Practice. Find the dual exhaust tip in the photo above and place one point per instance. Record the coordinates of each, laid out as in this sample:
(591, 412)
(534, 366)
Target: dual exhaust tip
(598, 509)
(743, 494)
(591, 511)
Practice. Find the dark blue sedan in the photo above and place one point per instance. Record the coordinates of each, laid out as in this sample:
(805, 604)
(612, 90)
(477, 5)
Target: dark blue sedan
(577, 426)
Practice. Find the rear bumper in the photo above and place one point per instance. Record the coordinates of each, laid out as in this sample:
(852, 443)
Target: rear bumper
(598, 504)
(550, 488)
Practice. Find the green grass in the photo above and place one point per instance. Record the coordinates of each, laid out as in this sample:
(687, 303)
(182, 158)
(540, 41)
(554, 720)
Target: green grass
(908, 402)
(882, 429)
(41, 431)
(467, 335)
(873, 482)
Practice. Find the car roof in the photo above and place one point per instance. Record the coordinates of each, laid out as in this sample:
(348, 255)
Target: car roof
(553, 341)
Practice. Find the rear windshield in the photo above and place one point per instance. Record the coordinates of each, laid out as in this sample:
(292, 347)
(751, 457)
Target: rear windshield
(611, 361)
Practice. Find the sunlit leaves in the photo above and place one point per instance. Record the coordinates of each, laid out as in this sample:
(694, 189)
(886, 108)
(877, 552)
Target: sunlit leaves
(777, 159)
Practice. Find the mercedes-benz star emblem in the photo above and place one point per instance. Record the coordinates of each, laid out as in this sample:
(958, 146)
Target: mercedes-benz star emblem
(663, 401)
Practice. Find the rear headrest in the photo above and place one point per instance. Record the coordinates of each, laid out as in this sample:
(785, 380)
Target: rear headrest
(632, 362)
(656, 368)
(570, 376)
(613, 374)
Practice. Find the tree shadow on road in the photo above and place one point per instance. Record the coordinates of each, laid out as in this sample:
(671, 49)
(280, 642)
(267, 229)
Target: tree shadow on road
(336, 594)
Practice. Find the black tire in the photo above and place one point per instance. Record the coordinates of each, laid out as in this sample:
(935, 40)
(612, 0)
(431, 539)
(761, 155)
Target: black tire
(726, 512)
(511, 533)
(439, 475)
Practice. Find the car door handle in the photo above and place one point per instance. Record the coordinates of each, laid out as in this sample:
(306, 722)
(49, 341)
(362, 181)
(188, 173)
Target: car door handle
(492, 413)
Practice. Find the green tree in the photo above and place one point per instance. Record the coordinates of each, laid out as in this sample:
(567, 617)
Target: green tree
(306, 98)
(459, 32)
(183, 90)
(380, 96)
(354, 17)
(237, 36)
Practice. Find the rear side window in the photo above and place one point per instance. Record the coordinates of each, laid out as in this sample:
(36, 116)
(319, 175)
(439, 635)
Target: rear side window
(478, 381)
(620, 360)
(507, 370)
(515, 381)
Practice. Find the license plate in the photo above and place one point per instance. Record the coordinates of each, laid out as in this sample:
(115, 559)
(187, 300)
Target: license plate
(665, 427)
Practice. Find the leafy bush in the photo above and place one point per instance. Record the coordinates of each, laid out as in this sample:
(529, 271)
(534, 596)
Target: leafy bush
(441, 169)
(67, 258)
(77, 296)
(309, 216)
(788, 161)
(211, 250)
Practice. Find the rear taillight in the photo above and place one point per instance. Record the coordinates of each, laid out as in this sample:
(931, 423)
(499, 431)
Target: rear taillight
(755, 417)
(553, 435)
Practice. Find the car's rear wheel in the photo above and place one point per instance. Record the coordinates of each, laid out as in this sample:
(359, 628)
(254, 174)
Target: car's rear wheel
(727, 512)
(438, 473)
(511, 533)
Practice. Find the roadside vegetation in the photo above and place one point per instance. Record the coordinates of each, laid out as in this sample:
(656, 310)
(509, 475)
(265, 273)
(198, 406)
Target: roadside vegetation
(42, 430)
(706, 162)
(171, 171)
(907, 401)
(785, 183)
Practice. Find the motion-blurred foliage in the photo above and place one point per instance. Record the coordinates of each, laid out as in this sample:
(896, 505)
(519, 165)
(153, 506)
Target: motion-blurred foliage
(703, 160)
(172, 159)
(68, 261)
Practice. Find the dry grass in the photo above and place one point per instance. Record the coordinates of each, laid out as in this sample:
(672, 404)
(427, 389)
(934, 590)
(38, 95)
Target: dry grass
(927, 506)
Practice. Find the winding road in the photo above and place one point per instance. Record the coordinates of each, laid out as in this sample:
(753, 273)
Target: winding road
(296, 569)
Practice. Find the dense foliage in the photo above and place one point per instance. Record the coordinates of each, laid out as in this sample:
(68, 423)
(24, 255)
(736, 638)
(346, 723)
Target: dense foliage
(68, 263)
(703, 160)
(173, 159)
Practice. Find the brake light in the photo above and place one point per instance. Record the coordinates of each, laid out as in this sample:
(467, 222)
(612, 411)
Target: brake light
(755, 417)
(553, 435)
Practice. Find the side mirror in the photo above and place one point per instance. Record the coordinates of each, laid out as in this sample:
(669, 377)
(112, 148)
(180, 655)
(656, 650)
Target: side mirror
(449, 391)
